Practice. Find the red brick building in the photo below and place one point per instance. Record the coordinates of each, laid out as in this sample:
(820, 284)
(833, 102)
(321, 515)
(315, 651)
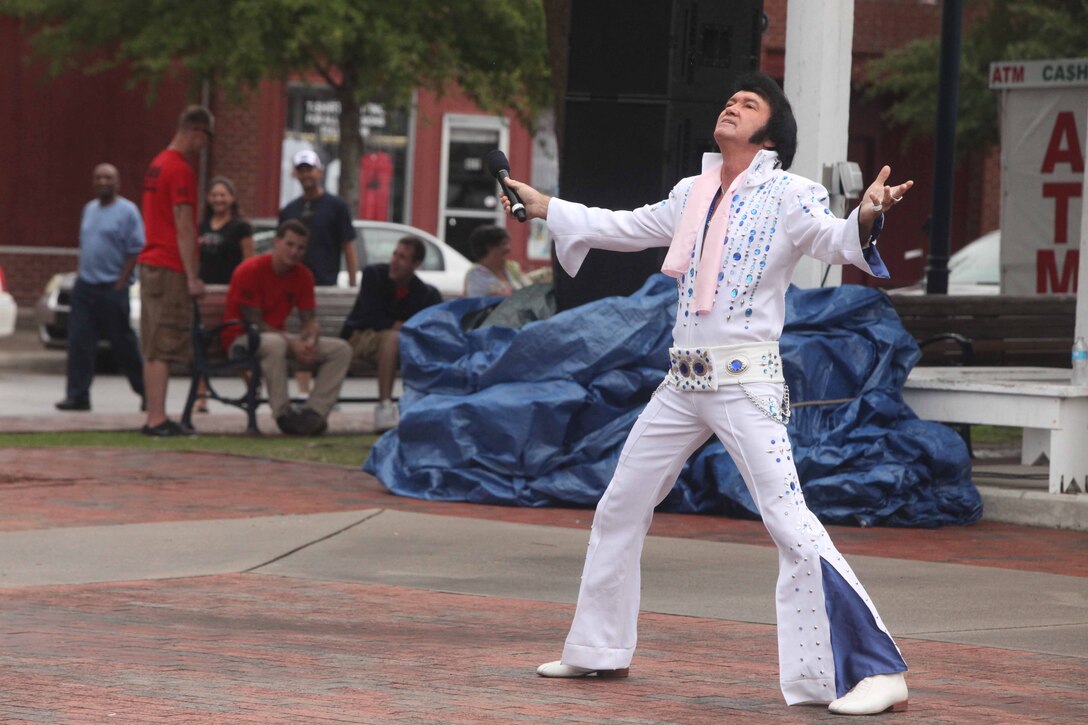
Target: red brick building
(54, 131)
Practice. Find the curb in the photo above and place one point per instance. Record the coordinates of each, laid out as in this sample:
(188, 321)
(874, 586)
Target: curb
(1035, 508)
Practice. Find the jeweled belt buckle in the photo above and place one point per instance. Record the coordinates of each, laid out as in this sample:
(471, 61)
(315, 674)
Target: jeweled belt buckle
(692, 370)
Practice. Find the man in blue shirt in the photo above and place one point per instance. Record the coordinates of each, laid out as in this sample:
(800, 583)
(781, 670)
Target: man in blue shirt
(111, 235)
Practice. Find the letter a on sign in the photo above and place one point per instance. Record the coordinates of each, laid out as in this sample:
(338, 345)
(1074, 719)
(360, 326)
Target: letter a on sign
(1064, 145)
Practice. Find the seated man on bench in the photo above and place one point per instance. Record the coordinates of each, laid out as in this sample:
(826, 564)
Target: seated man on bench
(263, 291)
(388, 296)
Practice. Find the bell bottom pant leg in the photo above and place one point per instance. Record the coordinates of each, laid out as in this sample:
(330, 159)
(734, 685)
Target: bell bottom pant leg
(830, 635)
(603, 633)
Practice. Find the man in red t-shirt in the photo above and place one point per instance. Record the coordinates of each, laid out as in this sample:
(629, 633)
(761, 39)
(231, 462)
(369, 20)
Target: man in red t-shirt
(263, 291)
(169, 270)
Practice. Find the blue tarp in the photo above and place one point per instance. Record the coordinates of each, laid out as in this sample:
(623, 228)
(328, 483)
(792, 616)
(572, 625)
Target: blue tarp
(537, 416)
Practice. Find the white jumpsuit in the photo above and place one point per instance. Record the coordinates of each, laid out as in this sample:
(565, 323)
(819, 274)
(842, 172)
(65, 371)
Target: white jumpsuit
(829, 633)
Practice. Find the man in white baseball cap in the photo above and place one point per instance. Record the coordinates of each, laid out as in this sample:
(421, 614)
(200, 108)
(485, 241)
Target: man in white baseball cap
(328, 220)
(307, 157)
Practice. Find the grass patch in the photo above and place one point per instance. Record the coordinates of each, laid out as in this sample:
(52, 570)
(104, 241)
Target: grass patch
(341, 450)
(996, 436)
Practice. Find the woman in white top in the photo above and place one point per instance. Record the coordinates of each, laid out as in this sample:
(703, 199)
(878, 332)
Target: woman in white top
(493, 274)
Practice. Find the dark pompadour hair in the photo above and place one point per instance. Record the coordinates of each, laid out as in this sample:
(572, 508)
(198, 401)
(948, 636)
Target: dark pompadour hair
(781, 127)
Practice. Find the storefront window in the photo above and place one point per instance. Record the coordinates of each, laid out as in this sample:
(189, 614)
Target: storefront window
(313, 123)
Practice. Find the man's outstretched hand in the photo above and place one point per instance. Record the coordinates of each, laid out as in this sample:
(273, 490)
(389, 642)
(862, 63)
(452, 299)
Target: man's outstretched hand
(878, 199)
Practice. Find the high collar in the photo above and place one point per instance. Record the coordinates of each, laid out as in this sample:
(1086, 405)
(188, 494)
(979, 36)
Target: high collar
(762, 167)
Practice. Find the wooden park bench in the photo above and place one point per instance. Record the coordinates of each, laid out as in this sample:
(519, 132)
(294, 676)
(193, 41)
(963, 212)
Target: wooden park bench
(1002, 360)
(1002, 330)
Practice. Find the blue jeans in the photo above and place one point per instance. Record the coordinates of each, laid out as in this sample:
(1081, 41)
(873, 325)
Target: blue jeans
(100, 311)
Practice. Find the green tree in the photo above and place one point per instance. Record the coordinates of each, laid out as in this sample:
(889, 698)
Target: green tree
(366, 50)
(1000, 30)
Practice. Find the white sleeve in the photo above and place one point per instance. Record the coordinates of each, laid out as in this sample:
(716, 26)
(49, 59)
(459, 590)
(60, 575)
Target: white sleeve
(818, 233)
(577, 228)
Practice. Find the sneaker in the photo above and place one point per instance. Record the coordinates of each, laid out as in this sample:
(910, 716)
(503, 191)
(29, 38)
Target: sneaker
(74, 404)
(386, 416)
(311, 423)
(289, 420)
(165, 429)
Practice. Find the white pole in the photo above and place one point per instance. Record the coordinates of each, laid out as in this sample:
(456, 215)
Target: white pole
(819, 45)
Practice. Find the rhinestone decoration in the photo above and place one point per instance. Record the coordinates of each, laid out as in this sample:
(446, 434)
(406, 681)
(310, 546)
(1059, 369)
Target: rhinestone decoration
(772, 364)
(692, 370)
(771, 408)
(748, 242)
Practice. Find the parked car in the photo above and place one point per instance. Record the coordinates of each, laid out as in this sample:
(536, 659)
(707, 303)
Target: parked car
(973, 270)
(8, 309)
(52, 308)
(444, 267)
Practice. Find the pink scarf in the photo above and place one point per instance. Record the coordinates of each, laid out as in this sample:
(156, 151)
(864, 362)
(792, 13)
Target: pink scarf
(692, 221)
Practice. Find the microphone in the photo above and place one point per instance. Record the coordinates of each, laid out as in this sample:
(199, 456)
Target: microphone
(499, 167)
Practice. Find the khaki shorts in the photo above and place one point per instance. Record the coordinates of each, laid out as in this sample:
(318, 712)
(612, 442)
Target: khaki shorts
(166, 315)
(365, 344)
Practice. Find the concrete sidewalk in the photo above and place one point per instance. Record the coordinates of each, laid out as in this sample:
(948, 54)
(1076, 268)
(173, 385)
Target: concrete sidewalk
(153, 586)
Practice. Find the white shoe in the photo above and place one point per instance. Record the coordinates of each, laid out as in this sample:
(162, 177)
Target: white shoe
(873, 695)
(386, 416)
(558, 669)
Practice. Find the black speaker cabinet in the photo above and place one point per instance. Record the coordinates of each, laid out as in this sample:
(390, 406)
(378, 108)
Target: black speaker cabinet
(644, 90)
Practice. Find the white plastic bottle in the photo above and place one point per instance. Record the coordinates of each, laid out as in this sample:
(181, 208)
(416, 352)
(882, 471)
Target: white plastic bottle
(1080, 362)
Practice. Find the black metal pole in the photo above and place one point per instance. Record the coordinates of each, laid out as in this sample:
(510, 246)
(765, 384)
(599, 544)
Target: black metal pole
(944, 162)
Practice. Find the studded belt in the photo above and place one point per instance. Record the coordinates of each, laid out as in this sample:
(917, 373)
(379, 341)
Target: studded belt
(704, 369)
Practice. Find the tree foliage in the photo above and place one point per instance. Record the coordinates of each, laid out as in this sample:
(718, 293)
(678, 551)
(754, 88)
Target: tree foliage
(907, 77)
(366, 50)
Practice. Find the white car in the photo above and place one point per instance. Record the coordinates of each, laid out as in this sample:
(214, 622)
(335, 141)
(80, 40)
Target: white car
(8, 310)
(52, 308)
(443, 266)
(973, 270)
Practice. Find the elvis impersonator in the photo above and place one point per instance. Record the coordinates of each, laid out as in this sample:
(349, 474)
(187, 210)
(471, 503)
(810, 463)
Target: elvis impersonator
(735, 234)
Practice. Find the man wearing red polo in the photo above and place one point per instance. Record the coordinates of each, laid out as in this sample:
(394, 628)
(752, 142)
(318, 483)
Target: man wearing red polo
(169, 272)
(263, 292)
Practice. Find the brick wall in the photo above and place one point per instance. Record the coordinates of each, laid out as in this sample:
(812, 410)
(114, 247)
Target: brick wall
(53, 132)
(246, 149)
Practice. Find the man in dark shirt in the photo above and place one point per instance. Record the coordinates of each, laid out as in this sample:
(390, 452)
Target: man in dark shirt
(388, 296)
(327, 218)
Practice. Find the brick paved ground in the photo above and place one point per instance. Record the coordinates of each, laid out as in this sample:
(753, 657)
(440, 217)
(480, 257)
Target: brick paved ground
(258, 648)
(255, 648)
